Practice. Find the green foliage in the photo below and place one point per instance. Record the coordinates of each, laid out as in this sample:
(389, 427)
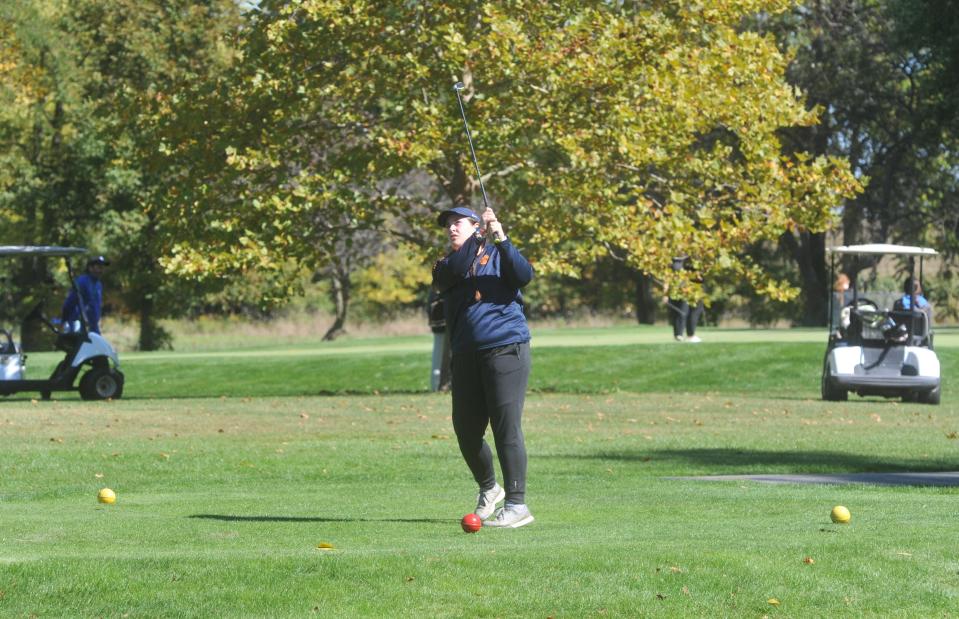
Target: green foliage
(86, 87)
(638, 131)
(875, 68)
(145, 55)
(258, 294)
(606, 287)
(396, 281)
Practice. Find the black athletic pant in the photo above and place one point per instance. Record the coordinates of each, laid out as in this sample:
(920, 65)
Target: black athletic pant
(685, 316)
(489, 388)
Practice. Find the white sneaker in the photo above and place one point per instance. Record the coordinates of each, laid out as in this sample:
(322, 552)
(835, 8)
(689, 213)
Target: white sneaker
(510, 516)
(486, 501)
(694, 339)
(678, 338)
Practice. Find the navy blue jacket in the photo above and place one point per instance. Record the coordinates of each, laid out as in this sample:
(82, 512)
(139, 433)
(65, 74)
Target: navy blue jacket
(91, 291)
(484, 306)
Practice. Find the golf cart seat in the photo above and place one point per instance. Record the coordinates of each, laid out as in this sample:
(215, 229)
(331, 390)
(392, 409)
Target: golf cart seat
(916, 324)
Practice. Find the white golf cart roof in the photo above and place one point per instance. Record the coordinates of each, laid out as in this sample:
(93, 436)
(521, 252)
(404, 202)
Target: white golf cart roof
(39, 250)
(883, 248)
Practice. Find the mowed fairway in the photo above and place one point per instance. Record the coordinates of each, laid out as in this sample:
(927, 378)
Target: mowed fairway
(230, 471)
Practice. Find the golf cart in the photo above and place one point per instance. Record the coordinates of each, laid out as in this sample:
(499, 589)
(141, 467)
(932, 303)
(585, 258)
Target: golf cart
(876, 346)
(86, 352)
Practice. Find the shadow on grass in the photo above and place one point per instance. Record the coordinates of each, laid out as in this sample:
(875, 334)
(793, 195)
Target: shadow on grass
(233, 518)
(747, 460)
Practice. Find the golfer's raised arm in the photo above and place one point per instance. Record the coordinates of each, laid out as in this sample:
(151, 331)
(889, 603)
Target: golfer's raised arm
(514, 268)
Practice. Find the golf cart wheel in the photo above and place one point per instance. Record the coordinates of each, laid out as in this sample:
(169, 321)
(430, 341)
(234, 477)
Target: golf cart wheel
(101, 384)
(931, 397)
(830, 392)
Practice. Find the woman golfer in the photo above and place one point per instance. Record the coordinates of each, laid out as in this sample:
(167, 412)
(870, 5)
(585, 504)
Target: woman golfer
(480, 281)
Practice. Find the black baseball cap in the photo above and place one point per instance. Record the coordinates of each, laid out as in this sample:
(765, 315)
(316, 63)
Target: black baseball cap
(98, 260)
(457, 210)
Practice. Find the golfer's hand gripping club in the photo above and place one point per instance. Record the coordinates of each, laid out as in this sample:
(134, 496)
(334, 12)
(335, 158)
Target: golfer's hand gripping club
(492, 226)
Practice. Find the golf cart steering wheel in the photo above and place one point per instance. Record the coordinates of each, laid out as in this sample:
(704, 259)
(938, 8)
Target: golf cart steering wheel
(862, 303)
(868, 311)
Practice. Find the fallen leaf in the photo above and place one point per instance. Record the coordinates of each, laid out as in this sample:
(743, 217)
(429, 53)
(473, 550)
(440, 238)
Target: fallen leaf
(905, 554)
(808, 560)
(98, 475)
(304, 416)
(676, 570)
(685, 590)
(325, 546)
(410, 578)
(660, 596)
(773, 601)
(953, 435)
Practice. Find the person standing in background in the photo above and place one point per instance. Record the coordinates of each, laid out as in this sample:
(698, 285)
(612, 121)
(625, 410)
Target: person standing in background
(684, 317)
(440, 373)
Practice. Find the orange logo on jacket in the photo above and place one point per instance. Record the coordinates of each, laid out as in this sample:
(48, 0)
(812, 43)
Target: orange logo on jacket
(484, 259)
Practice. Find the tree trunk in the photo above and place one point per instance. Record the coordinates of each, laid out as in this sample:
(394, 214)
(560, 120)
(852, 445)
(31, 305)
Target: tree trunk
(152, 335)
(645, 302)
(809, 254)
(340, 291)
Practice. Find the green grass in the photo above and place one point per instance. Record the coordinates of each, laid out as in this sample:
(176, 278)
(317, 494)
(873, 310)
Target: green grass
(779, 363)
(223, 500)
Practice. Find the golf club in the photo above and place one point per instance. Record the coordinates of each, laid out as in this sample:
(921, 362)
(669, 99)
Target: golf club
(458, 86)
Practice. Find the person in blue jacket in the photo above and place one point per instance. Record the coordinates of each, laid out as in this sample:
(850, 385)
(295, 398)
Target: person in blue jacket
(91, 295)
(480, 280)
(912, 299)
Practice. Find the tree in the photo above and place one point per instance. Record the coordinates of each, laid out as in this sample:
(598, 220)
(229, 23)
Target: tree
(637, 130)
(928, 31)
(879, 93)
(56, 167)
(87, 86)
(146, 54)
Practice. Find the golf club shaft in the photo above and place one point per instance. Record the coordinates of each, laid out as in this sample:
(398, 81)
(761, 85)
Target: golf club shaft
(458, 86)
